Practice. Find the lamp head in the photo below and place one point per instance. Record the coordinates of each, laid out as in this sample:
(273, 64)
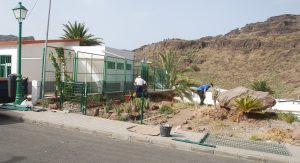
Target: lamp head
(20, 12)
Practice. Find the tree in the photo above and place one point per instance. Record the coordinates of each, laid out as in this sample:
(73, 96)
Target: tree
(79, 31)
(173, 76)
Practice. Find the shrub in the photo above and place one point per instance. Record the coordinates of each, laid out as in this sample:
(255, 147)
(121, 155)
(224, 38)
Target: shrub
(287, 117)
(117, 109)
(44, 102)
(247, 104)
(257, 137)
(261, 85)
(166, 110)
(195, 67)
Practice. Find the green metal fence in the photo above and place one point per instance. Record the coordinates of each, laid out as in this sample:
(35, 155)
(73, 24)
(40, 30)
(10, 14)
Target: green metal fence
(155, 77)
(87, 77)
(76, 96)
(101, 75)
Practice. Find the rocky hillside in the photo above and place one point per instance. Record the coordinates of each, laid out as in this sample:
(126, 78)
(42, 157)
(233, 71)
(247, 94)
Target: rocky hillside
(268, 50)
(14, 38)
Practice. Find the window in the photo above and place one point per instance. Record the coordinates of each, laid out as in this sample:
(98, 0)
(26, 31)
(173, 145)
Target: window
(111, 65)
(5, 65)
(128, 66)
(120, 66)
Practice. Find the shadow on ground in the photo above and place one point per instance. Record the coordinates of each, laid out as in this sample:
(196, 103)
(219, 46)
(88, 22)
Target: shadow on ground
(7, 118)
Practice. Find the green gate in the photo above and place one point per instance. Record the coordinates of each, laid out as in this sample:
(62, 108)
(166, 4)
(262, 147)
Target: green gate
(76, 96)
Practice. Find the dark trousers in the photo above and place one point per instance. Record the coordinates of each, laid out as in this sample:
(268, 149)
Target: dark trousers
(139, 90)
(202, 97)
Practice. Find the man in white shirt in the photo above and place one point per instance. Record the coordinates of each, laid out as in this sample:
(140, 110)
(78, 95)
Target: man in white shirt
(139, 83)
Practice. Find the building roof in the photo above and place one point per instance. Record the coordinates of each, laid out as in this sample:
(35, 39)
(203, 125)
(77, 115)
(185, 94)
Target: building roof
(38, 41)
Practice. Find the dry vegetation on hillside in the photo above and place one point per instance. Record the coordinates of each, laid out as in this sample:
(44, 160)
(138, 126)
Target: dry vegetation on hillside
(267, 50)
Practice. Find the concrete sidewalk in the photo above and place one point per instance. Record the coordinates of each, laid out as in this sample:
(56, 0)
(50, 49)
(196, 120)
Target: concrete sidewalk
(118, 130)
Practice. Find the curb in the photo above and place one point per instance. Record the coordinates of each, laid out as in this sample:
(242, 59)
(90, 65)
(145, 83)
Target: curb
(167, 143)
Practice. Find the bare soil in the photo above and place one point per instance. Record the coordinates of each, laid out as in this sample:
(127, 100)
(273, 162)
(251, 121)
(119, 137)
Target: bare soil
(204, 119)
(222, 122)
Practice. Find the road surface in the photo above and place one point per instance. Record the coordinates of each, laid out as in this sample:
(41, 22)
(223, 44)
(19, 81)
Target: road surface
(24, 142)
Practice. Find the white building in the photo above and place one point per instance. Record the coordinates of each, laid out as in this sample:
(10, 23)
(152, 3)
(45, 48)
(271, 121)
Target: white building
(32, 56)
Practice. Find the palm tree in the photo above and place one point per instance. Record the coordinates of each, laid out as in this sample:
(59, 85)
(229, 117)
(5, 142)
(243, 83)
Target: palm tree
(173, 75)
(79, 31)
(169, 64)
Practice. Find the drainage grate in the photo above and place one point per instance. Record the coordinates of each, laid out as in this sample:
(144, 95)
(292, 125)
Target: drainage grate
(248, 145)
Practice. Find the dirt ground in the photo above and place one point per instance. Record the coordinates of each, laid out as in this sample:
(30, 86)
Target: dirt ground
(205, 119)
(208, 119)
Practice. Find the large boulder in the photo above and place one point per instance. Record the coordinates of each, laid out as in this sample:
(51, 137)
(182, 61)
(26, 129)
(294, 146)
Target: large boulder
(227, 99)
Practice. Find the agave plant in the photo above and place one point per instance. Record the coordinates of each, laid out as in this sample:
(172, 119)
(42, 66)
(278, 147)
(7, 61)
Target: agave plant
(247, 104)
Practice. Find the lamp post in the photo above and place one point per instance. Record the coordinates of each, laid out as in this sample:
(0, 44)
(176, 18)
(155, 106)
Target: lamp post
(20, 13)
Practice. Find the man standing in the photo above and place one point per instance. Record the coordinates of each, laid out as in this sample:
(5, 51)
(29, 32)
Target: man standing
(139, 83)
(201, 90)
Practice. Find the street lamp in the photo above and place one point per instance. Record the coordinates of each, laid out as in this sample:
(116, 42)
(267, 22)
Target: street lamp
(20, 13)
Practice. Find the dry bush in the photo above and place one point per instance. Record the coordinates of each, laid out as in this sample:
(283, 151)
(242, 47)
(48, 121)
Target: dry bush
(275, 134)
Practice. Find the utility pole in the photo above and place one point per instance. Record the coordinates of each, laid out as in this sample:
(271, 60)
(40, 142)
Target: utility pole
(45, 52)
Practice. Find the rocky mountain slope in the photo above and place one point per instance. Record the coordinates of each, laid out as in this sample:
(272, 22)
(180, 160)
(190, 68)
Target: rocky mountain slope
(14, 38)
(268, 50)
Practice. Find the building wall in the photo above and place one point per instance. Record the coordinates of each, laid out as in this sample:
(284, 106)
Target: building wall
(31, 55)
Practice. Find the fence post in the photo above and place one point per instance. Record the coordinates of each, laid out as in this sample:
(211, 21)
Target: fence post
(62, 86)
(142, 109)
(125, 73)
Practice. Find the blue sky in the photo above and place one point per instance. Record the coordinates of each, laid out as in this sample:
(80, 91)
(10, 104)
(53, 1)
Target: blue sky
(129, 24)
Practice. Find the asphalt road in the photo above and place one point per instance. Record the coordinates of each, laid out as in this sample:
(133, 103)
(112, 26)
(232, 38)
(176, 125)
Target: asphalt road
(23, 142)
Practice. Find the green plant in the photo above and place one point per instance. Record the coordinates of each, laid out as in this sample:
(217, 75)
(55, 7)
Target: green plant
(174, 78)
(261, 85)
(166, 110)
(146, 103)
(287, 117)
(79, 31)
(58, 60)
(257, 137)
(247, 104)
(195, 67)
(137, 103)
(118, 110)
(45, 102)
(107, 107)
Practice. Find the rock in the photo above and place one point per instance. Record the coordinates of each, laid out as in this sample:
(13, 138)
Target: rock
(201, 129)
(227, 99)
(296, 124)
(167, 103)
(154, 107)
(191, 117)
(125, 116)
(296, 134)
(169, 116)
(189, 128)
(185, 122)
(96, 112)
(53, 106)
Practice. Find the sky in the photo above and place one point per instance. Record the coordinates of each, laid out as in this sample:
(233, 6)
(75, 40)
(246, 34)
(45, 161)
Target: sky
(130, 24)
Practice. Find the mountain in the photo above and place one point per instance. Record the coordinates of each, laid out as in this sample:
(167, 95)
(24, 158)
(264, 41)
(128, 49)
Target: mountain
(268, 50)
(14, 38)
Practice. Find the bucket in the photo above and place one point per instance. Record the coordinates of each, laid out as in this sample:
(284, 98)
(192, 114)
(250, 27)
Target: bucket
(127, 97)
(165, 130)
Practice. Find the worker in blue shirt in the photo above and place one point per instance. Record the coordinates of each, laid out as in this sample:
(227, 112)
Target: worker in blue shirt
(201, 90)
